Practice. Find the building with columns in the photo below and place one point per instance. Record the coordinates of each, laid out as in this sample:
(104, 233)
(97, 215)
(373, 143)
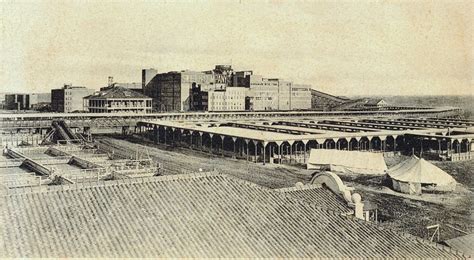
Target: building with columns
(289, 142)
(118, 100)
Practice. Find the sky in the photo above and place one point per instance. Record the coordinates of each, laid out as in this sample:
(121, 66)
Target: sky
(340, 47)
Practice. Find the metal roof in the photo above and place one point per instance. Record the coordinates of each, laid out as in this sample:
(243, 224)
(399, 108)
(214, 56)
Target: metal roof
(200, 215)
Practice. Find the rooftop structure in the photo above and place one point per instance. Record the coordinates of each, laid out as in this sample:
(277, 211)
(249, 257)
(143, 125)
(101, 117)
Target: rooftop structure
(135, 86)
(199, 215)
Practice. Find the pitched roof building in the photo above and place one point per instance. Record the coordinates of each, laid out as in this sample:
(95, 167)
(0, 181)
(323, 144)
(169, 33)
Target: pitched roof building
(118, 99)
(199, 215)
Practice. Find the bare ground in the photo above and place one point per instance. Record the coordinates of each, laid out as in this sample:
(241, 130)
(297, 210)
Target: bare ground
(408, 213)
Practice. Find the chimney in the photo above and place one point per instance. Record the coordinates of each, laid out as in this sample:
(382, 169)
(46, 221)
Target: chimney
(357, 205)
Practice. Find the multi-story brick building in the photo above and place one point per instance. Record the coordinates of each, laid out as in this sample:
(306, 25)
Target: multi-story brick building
(118, 100)
(171, 91)
(284, 94)
(69, 98)
(300, 97)
(263, 94)
(230, 99)
(199, 99)
(206, 91)
(17, 101)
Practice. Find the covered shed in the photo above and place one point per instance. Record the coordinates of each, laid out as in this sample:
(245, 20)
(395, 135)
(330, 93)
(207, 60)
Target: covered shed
(347, 161)
(414, 175)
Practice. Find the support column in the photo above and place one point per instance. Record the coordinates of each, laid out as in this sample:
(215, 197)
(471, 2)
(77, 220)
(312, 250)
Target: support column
(421, 148)
(264, 144)
(320, 143)
(291, 148)
(165, 134)
(234, 139)
(278, 143)
(305, 142)
(383, 140)
(255, 144)
(247, 145)
(394, 143)
(449, 145)
(173, 138)
(211, 135)
(222, 144)
(156, 134)
(200, 139)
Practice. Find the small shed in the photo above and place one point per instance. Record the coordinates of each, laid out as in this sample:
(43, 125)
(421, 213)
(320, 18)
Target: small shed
(376, 103)
(414, 175)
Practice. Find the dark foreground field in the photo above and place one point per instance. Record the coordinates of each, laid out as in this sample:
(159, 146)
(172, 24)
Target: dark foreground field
(407, 213)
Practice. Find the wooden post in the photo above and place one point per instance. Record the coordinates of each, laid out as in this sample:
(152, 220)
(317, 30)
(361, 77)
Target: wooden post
(264, 144)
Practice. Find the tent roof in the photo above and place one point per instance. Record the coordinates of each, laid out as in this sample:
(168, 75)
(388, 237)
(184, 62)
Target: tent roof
(365, 161)
(419, 171)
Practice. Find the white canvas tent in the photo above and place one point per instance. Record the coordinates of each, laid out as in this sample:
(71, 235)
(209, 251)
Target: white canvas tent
(415, 174)
(343, 161)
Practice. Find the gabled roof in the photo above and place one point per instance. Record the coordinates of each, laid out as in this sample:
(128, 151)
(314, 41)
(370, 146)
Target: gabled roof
(416, 170)
(374, 101)
(117, 92)
(201, 215)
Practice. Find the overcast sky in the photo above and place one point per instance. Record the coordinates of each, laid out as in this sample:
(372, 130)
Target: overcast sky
(344, 48)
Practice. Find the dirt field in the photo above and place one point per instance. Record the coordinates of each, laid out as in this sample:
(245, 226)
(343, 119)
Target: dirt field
(408, 213)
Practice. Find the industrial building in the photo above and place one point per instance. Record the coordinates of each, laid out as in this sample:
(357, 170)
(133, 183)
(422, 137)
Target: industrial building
(170, 91)
(300, 97)
(230, 99)
(147, 76)
(189, 90)
(118, 100)
(69, 98)
(16, 101)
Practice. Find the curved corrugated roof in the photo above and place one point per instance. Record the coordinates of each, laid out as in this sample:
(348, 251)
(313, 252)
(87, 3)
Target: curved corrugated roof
(418, 170)
(191, 216)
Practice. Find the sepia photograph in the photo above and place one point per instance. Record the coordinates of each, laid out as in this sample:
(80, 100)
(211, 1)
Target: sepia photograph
(326, 129)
